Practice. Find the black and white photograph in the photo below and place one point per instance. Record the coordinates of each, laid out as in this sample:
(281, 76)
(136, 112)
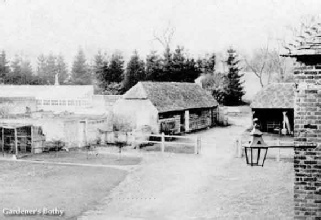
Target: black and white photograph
(160, 109)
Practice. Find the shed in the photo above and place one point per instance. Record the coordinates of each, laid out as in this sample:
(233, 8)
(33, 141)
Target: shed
(273, 106)
(20, 138)
(169, 107)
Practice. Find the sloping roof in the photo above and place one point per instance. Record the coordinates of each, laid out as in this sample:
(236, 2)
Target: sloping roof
(172, 96)
(276, 95)
(47, 91)
(13, 125)
(307, 44)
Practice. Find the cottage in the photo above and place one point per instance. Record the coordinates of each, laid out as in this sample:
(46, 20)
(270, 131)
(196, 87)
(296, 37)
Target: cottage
(273, 107)
(168, 107)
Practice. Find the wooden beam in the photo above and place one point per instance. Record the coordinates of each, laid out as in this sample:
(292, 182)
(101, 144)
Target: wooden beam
(2, 140)
(31, 127)
(16, 140)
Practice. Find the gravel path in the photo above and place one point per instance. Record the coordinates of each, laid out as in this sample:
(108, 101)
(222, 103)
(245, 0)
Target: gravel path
(213, 185)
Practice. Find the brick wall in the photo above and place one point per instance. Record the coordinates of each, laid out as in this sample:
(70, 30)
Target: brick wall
(307, 139)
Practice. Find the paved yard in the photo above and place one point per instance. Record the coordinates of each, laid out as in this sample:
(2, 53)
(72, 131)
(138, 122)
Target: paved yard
(213, 185)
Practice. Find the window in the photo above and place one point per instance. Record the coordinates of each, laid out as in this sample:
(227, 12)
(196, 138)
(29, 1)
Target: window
(39, 102)
(62, 102)
(46, 102)
(71, 102)
(54, 102)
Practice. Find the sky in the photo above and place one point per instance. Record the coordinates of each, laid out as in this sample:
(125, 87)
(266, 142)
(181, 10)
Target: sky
(32, 27)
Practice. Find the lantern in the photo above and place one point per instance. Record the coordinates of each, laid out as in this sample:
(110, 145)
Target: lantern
(257, 149)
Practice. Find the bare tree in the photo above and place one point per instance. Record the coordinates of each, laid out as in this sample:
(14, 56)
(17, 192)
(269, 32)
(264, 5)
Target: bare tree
(259, 64)
(165, 38)
(269, 66)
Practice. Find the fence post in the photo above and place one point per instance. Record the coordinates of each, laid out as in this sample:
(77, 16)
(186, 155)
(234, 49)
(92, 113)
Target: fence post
(163, 142)
(195, 146)
(199, 145)
(278, 151)
(239, 147)
(237, 151)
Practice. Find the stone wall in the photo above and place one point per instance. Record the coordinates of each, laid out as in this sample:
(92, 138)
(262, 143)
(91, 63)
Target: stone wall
(307, 140)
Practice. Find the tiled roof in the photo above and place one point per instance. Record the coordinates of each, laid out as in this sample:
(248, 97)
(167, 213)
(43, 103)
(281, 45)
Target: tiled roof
(276, 95)
(307, 44)
(172, 96)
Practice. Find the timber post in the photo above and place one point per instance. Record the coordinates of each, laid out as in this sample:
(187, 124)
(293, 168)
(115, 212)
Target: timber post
(197, 148)
(278, 149)
(16, 141)
(238, 144)
(163, 142)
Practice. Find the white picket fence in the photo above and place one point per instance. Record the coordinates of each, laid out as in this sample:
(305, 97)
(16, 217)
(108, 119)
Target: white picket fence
(194, 141)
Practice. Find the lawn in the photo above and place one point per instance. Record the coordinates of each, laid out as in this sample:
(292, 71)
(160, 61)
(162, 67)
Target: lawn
(184, 149)
(73, 189)
(84, 158)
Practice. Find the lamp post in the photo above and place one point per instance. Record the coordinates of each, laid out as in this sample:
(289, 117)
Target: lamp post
(256, 150)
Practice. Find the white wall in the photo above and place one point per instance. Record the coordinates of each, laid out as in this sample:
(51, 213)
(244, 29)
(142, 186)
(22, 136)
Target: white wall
(73, 98)
(139, 112)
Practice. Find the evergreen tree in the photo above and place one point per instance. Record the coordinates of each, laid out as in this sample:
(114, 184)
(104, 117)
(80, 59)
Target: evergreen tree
(50, 69)
(153, 67)
(15, 76)
(209, 63)
(4, 67)
(167, 65)
(135, 71)
(234, 88)
(62, 70)
(177, 70)
(41, 69)
(26, 72)
(100, 68)
(191, 70)
(116, 68)
(80, 72)
(109, 74)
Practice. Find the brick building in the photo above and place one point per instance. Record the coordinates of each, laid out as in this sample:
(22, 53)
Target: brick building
(307, 129)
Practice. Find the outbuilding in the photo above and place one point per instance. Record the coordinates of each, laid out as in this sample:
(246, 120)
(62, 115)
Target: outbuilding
(168, 107)
(273, 106)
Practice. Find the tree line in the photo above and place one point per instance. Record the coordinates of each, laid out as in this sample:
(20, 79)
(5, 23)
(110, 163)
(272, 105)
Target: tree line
(111, 75)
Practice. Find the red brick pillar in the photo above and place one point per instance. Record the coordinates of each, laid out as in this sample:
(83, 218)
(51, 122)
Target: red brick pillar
(307, 139)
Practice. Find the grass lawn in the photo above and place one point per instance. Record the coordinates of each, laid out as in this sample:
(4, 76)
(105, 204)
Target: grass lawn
(184, 149)
(73, 189)
(84, 157)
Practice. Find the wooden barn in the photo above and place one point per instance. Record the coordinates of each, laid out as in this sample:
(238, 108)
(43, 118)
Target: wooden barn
(168, 107)
(273, 106)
